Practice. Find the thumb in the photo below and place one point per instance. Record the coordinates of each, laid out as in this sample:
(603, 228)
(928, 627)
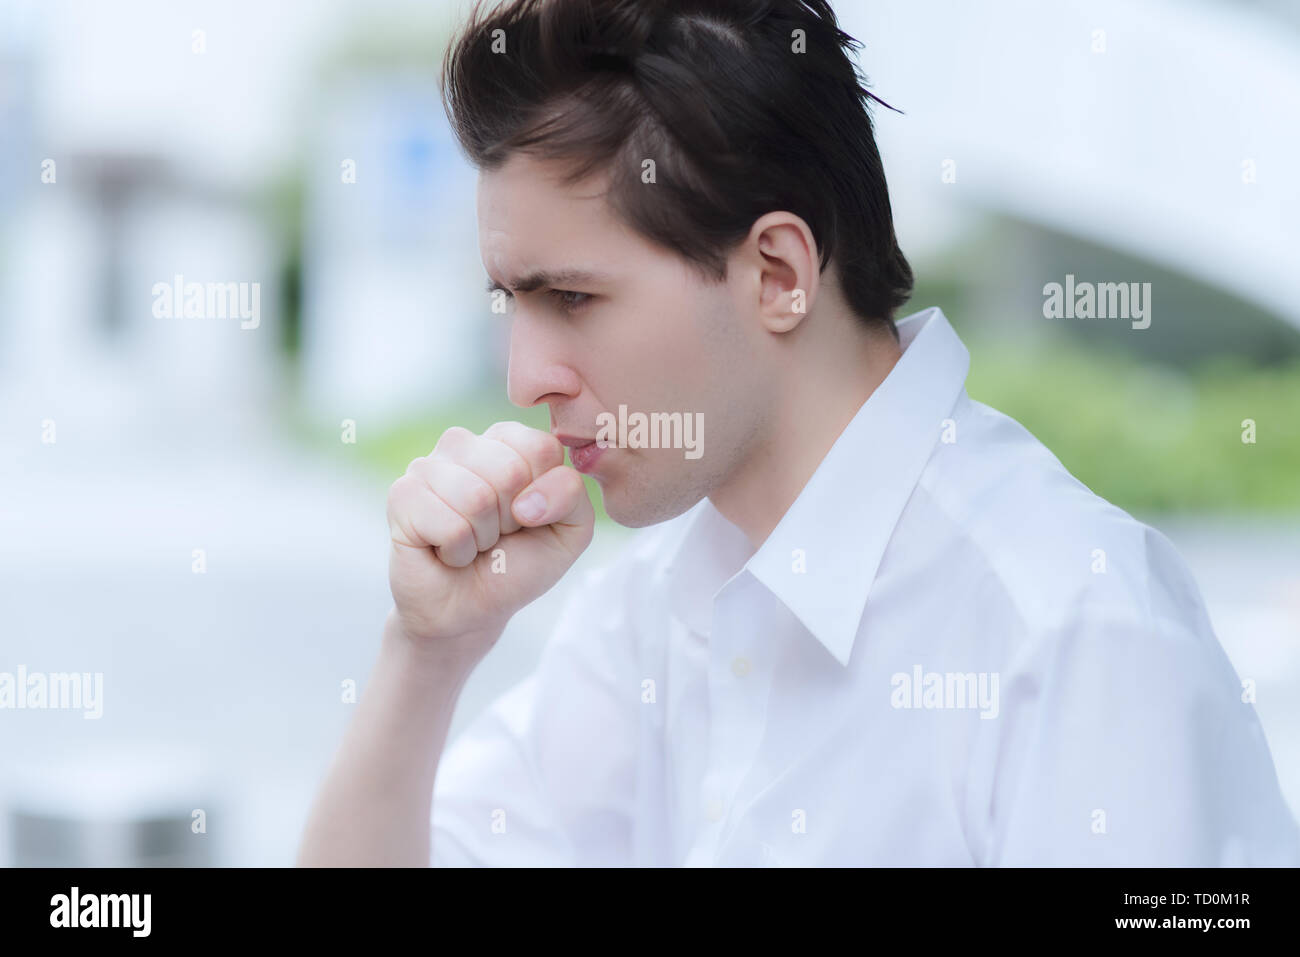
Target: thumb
(558, 497)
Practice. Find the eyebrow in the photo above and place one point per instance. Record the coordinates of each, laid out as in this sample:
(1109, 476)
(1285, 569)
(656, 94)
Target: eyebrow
(558, 278)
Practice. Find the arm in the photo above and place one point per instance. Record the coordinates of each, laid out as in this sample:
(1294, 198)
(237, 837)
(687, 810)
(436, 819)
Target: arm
(546, 775)
(1133, 747)
(375, 804)
(467, 553)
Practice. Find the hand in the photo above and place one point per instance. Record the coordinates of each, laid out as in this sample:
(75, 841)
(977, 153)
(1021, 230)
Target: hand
(480, 527)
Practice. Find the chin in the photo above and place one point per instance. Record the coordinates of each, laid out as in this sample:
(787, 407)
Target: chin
(641, 507)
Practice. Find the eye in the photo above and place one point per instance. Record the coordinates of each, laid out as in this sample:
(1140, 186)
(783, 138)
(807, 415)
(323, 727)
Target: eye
(569, 301)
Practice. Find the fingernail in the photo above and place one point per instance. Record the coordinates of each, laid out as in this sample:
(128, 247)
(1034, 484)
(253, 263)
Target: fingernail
(531, 507)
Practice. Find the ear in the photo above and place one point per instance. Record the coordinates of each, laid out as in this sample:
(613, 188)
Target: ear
(785, 256)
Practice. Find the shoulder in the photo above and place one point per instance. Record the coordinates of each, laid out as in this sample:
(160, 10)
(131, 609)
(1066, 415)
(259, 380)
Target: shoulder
(1057, 550)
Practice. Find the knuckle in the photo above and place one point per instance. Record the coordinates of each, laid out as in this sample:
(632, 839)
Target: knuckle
(453, 438)
(460, 535)
(568, 480)
(400, 511)
(481, 499)
(399, 491)
(515, 474)
(544, 448)
(552, 447)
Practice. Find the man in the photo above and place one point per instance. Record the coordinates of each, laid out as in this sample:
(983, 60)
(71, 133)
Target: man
(869, 620)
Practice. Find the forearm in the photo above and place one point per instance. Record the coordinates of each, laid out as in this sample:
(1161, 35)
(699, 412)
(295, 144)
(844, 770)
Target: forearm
(375, 804)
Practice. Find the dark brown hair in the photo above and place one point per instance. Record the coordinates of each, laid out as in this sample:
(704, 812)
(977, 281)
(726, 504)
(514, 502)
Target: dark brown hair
(738, 121)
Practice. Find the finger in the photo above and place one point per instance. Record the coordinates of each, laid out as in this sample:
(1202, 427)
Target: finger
(502, 468)
(559, 499)
(541, 450)
(417, 518)
(468, 494)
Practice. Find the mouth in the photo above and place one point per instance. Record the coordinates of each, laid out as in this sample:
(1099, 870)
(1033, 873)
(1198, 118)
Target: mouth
(583, 453)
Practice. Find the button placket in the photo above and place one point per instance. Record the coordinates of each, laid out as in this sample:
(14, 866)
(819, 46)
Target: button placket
(748, 677)
(736, 722)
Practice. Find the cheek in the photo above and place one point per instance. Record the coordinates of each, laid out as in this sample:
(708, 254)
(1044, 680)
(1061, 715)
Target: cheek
(658, 337)
(667, 347)
(687, 354)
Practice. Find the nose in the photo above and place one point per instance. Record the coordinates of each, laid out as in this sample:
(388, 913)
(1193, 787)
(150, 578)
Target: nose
(538, 370)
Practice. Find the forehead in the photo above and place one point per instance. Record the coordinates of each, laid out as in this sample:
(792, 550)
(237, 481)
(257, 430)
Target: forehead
(528, 221)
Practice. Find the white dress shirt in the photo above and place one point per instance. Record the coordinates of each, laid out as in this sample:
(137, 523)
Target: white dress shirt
(948, 652)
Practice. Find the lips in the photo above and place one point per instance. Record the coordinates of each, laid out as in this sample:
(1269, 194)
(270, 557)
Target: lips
(583, 452)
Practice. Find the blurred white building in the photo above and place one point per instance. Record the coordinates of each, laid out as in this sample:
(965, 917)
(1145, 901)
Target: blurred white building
(1165, 128)
(393, 310)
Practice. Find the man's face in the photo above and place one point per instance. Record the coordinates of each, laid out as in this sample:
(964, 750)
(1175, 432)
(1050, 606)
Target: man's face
(645, 331)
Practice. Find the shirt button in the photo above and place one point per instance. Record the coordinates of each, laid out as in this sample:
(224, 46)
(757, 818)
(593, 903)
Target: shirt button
(714, 810)
(740, 667)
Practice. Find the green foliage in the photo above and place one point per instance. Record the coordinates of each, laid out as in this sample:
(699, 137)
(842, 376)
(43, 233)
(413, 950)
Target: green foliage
(1147, 438)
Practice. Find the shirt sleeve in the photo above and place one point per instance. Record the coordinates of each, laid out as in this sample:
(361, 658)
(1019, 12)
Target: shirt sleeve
(545, 775)
(1129, 742)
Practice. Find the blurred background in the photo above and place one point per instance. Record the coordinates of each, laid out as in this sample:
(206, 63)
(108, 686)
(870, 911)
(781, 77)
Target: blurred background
(193, 508)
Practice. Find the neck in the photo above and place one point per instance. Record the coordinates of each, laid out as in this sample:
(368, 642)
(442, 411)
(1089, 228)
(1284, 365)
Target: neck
(823, 390)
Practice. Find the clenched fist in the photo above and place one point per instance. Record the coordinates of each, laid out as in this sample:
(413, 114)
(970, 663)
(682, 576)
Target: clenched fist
(480, 527)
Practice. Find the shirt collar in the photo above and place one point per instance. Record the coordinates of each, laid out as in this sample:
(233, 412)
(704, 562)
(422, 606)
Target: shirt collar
(846, 513)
